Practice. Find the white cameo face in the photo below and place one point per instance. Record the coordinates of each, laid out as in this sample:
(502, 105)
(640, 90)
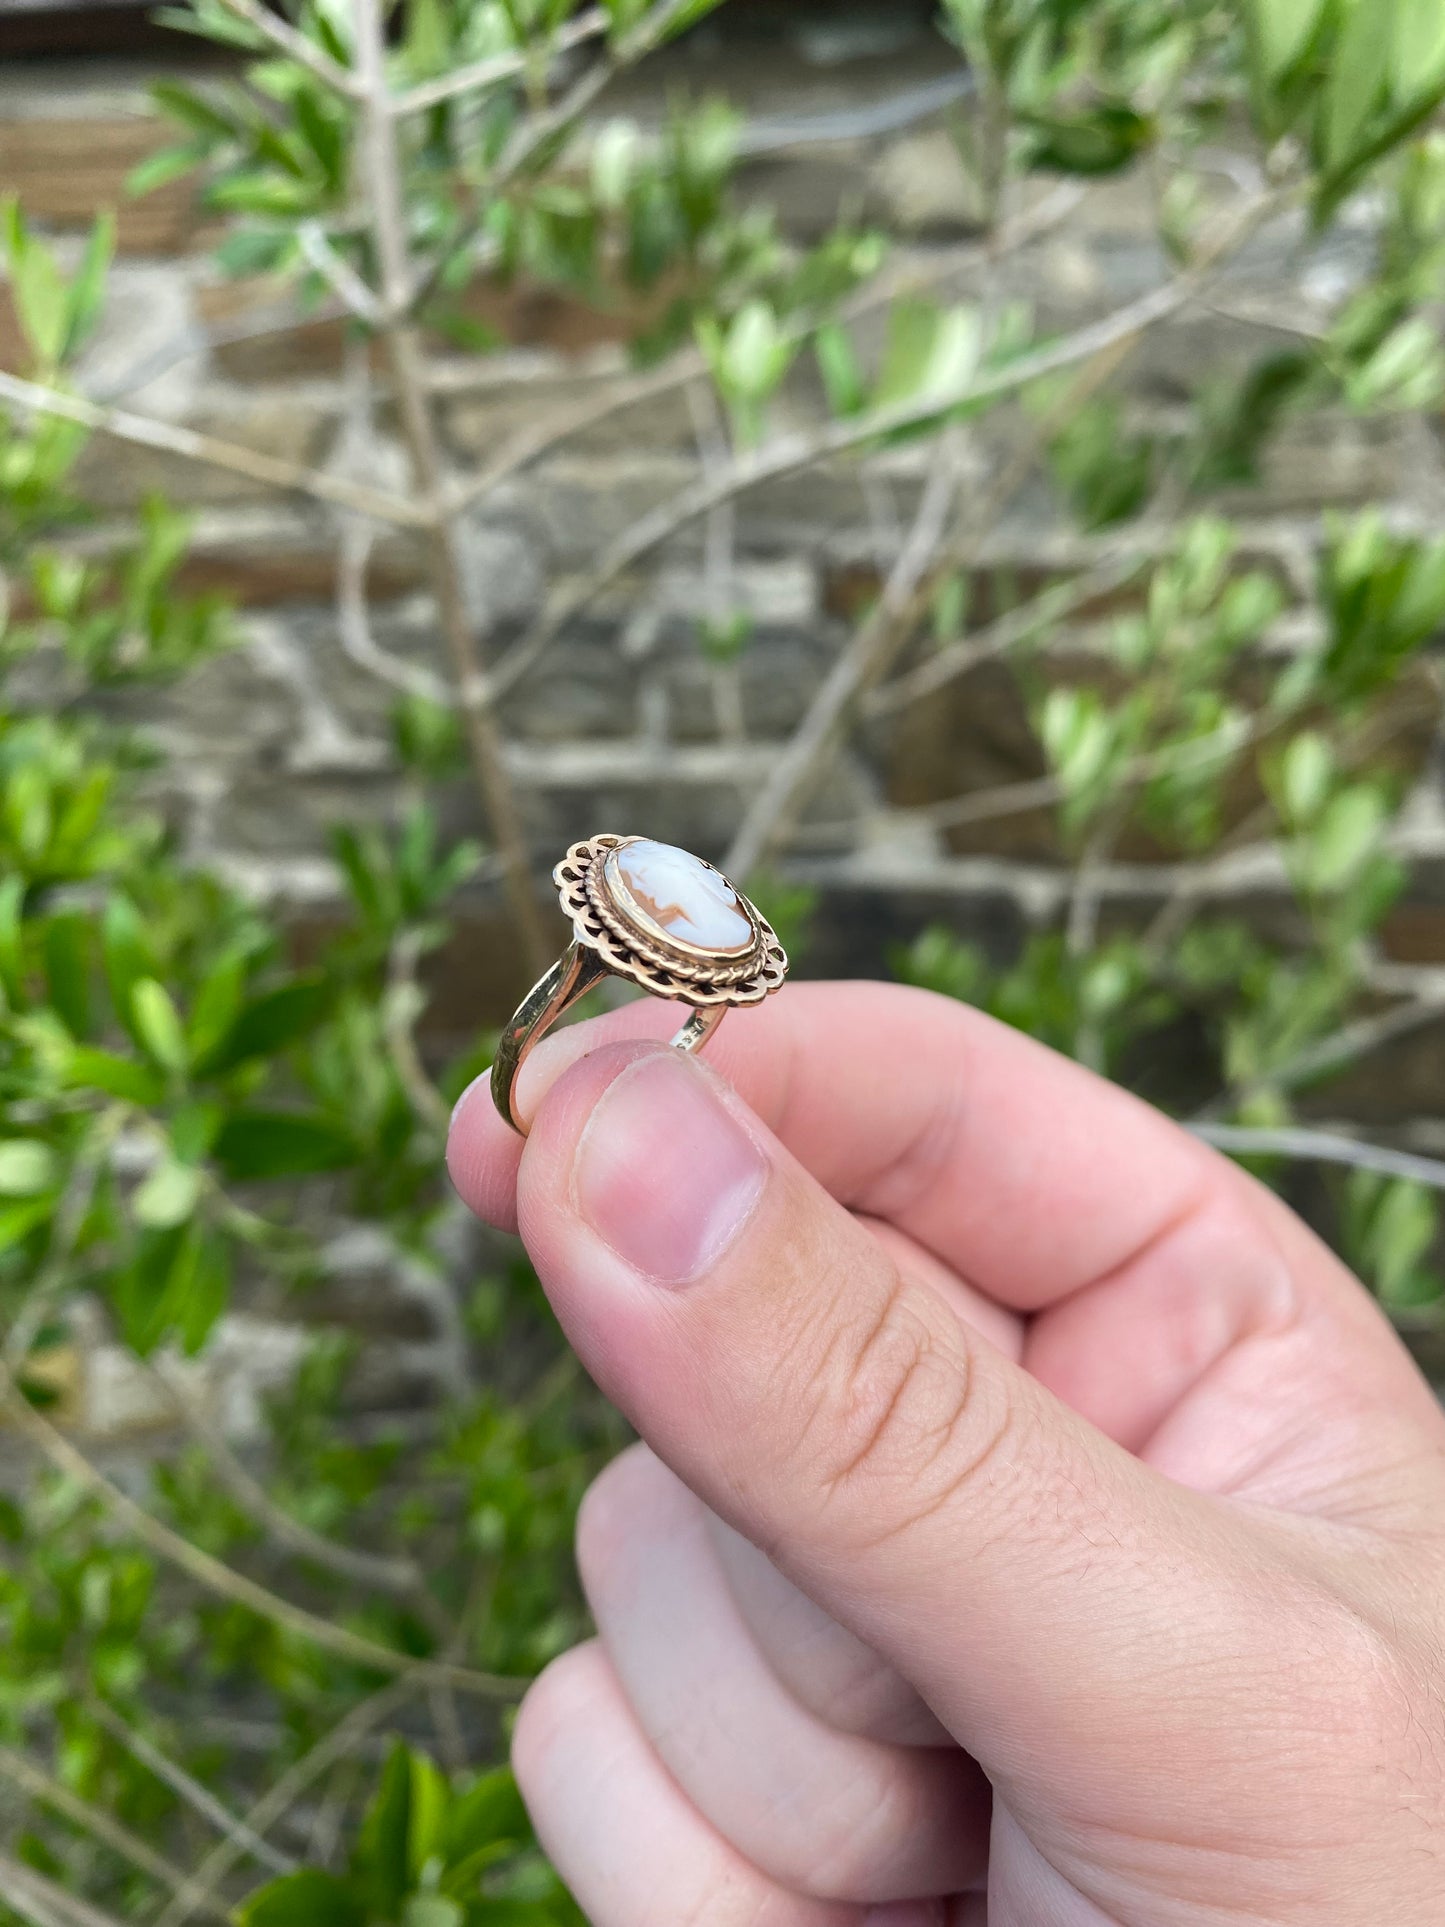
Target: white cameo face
(667, 893)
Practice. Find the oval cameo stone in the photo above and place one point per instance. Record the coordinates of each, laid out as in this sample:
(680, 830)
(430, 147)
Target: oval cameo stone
(668, 895)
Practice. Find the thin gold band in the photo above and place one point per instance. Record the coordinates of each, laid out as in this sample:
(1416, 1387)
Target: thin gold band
(578, 970)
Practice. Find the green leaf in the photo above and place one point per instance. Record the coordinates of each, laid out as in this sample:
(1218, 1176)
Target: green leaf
(431, 1910)
(270, 1023)
(37, 289)
(688, 16)
(382, 1852)
(1356, 82)
(842, 373)
(1417, 51)
(208, 1292)
(26, 1168)
(67, 969)
(17, 1221)
(87, 288)
(12, 952)
(217, 1000)
(306, 1899)
(1306, 771)
(1078, 737)
(195, 111)
(127, 955)
(168, 1195)
(755, 353)
(1282, 31)
(490, 1810)
(281, 1144)
(158, 1024)
(124, 1077)
(1101, 140)
(616, 154)
(1347, 835)
(931, 352)
(426, 1828)
(167, 164)
(177, 1279)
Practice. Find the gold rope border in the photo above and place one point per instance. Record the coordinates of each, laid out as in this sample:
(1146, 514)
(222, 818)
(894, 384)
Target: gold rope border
(663, 973)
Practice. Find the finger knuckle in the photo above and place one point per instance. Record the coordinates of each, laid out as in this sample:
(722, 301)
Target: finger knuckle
(898, 1422)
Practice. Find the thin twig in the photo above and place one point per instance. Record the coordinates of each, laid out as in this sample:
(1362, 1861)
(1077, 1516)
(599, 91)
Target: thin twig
(280, 1798)
(338, 274)
(538, 439)
(498, 67)
(771, 814)
(354, 544)
(539, 131)
(221, 1579)
(868, 658)
(272, 318)
(41, 1786)
(1321, 1147)
(55, 1275)
(190, 1790)
(286, 39)
(413, 398)
(1054, 604)
(271, 470)
(400, 1578)
(1341, 1048)
(403, 1004)
(43, 1904)
(787, 454)
(331, 1812)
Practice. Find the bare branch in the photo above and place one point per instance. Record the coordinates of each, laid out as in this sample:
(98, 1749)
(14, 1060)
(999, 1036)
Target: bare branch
(399, 1578)
(285, 38)
(146, 432)
(498, 67)
(1054, 604)
(39, 1785)
(1334, 1052)
(355, 541)
(42, 1903)
(770, 814)
(540, 129)
(186, 1788)
(413, 398)
(221, 1579)
(533, 442)
(404, 1000)
(257, 324)
(788, 454)
(1322, 1147)
(338, 274)
(280, 1798)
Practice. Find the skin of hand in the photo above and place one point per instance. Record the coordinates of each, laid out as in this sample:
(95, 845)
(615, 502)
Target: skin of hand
(1035, 1525)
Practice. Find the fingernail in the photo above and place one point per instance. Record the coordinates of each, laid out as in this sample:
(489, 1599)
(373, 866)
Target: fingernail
(665, 1174)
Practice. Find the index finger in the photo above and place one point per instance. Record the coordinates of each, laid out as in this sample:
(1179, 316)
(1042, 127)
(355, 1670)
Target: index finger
(1027, 1174)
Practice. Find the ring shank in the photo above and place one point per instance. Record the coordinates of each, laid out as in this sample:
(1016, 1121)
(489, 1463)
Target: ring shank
(578, 970)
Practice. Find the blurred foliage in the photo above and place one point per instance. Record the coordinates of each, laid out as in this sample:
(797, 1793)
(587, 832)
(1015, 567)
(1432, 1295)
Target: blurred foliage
(189, 1119)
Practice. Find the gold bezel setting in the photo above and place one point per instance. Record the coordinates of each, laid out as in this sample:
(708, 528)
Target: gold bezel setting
(665, 968)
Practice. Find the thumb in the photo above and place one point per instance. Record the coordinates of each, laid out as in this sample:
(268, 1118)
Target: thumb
(1045, 1591)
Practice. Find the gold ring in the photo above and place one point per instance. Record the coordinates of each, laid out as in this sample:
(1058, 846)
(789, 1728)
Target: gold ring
(663, 919)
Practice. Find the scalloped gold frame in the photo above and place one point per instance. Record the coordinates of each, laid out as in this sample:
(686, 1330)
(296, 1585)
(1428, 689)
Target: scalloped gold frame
(605, 942)
(677, 970)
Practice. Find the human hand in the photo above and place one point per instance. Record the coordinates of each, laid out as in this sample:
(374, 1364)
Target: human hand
(1084, 1555)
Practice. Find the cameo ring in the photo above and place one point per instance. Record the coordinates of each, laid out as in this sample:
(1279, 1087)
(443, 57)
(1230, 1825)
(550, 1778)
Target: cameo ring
(662, 919)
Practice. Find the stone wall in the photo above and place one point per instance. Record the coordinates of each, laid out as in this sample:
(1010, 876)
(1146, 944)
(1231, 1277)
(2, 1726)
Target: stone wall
(623, 723)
